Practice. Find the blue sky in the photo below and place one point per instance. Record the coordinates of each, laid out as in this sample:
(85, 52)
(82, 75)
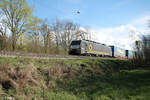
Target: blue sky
(102, 16)
(94, 13)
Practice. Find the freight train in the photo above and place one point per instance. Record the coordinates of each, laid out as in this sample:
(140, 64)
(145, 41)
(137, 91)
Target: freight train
(91, 48)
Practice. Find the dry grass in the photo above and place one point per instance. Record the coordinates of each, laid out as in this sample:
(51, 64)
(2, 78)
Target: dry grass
(19, 78)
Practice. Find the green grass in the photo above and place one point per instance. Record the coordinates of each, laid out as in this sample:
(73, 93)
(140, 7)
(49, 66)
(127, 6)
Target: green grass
(125, 85)
(88, 79)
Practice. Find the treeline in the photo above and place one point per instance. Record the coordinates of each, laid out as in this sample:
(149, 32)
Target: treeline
(142, 54)
(21, 31)
(142, 51)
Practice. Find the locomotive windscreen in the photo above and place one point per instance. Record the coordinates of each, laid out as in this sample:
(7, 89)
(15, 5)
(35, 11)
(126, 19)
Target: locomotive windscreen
(76, 42)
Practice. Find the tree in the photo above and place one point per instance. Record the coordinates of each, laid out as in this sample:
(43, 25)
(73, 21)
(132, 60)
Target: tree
(65, 31)
(47, 35)
(142, 51)
(17, 14)
(84, 34)
(33, 34)
(3, 30)
(142, 54)
(3, 37)
(57, 28)
(71, 32)
(146, 47)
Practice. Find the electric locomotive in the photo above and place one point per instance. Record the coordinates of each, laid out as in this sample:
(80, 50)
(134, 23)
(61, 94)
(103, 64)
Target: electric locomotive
(87, 47)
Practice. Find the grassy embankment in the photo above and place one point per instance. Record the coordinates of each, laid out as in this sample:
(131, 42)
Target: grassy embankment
(90, 79)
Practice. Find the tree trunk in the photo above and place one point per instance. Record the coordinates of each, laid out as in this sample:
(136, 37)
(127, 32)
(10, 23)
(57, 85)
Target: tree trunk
(14, 42)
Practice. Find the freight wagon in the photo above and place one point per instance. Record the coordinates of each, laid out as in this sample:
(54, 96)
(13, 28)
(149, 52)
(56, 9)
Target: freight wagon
(118, 52)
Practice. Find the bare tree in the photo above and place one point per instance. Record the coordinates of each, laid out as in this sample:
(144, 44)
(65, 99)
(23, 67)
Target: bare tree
(142, 54)
(65, 31)
(47, 35)
(71, 32)
(3, 37)
(146, 47)
(57, 30)
(83, 34)
(3, 27)
(34, 34)
(3, 31)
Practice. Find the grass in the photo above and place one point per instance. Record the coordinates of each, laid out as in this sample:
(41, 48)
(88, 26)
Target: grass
(88, 79)
(125, 85)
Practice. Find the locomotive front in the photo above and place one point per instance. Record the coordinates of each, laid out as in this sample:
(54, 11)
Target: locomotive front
(75, 47)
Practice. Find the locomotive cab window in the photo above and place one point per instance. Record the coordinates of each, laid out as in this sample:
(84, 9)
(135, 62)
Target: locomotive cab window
(75, 42)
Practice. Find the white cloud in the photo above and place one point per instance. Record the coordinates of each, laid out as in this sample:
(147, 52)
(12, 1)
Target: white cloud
(141, 21)
(118, 36)
(122, 36)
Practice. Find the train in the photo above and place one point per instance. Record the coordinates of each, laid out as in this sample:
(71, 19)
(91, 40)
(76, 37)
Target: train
(92, 48)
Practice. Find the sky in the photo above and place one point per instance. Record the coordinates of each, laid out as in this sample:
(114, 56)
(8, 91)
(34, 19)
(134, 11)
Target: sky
(113, 22)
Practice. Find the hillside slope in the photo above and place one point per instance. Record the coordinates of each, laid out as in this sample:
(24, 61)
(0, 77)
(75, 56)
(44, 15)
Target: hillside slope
(89, 79)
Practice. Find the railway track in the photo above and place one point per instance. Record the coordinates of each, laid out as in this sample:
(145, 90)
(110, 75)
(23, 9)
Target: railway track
(46, 56)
